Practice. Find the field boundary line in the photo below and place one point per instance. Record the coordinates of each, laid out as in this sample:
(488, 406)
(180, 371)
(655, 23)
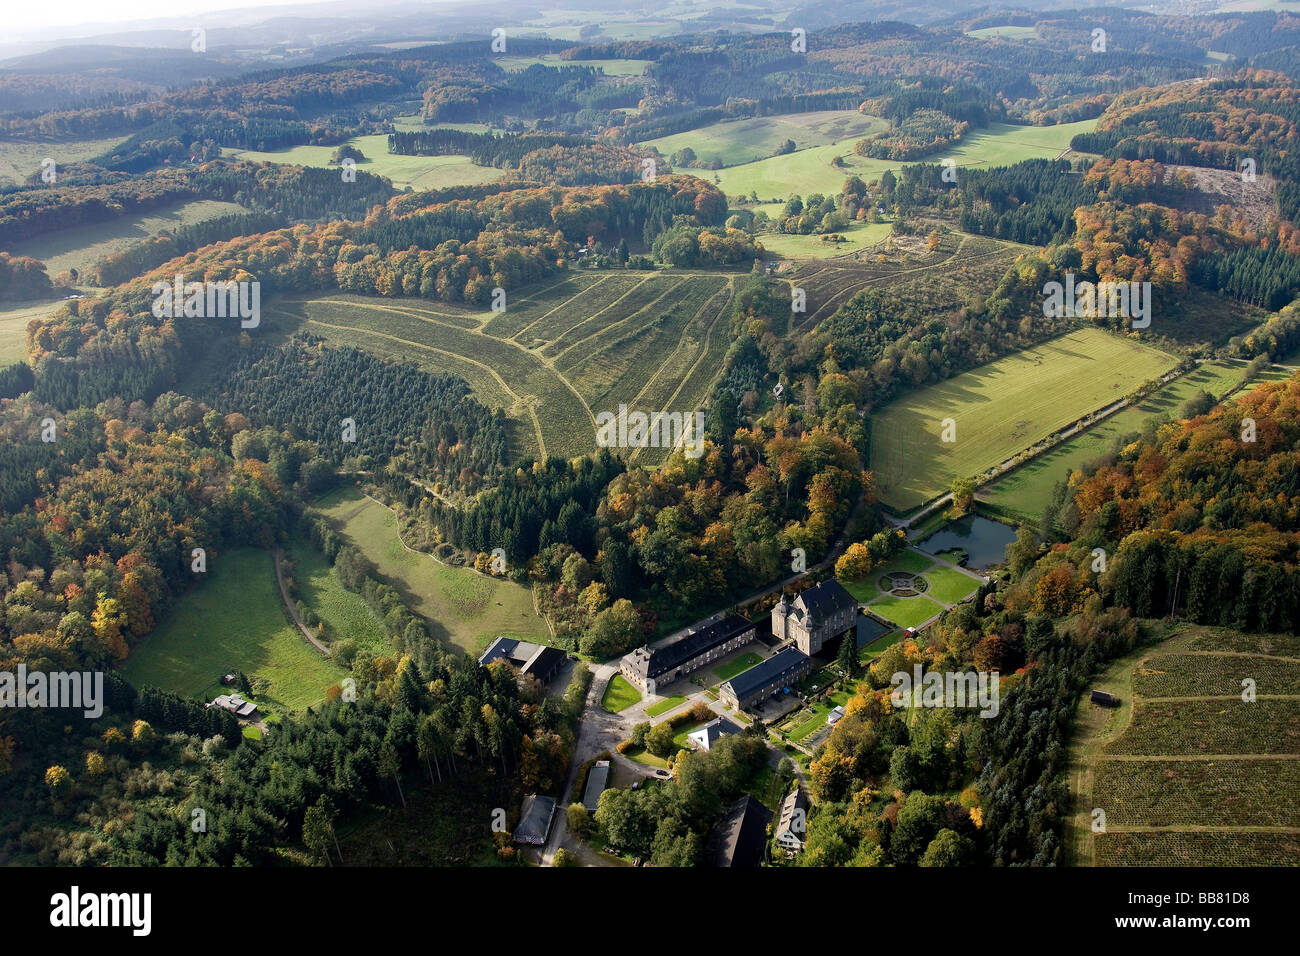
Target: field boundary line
(1197, 828)
(537, 425)
(535, 356)
(681, 341)
(671, 289)
(702, 356)
(635, 286)
(583, 291)
(1237, 697)
(1191, 758)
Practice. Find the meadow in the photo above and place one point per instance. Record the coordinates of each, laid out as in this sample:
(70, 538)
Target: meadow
(1000, 409)
(859, 236)
(81, 247)
(464, 608)
(1027, 491)
(1000, 145)
(418, 172)
(739, 141)
(562, 352)
(1186, 771)
(935, 280)
(19, 159)
(1003, 33)
(234, 619)
(13, 328)
(345, 614)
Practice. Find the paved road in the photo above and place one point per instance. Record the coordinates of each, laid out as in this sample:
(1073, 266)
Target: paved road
(598, 730)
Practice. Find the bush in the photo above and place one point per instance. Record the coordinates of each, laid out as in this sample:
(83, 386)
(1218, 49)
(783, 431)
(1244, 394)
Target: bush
(659, 741)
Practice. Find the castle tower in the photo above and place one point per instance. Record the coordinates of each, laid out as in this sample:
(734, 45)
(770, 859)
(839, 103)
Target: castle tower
(779, 619)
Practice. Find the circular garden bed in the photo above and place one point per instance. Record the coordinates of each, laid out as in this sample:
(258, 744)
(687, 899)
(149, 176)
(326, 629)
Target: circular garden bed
(903, 584)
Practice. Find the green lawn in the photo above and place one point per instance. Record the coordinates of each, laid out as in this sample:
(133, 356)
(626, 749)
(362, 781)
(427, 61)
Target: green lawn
(1000, 409)
(864, 591)
(1007, 32)
(641, 755)
(19, 159)
(818, 714)
(905, 612)
(881, 644)
(418, 172)
(860, 235)
(1027, 491)
(81, 247)
(810, 170)
(463, 607)
(346, 615)
(13, 328)
(736, 665)
(233, 620)
(619, 695)
(949, 585)
(665, 705)
(733, 142)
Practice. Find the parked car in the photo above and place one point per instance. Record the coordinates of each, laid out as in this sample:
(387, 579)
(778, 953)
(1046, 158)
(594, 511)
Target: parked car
(662, 773)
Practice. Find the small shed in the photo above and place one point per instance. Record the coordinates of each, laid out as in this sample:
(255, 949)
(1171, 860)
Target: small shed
(1104, 699)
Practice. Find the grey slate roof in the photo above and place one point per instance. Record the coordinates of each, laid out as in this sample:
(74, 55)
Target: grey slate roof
(535, 821)
(741, 836)
(760, 675)
(822, 600)
(714, 730)
(660, 660)
(597, 779)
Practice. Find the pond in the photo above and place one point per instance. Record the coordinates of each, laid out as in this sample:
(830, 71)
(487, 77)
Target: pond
(983, 540)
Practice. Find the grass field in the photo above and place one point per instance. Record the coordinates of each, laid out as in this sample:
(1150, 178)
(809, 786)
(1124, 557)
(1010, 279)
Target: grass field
(1000, 409)
(665, 705)
(608, 67)
(345, 614)
(19, 159)
(933, 281)
(13, 328)
(82, 246)
(1186, 771)
(1005, 33)
(859, 236)
(733, 142)
(418, 172)
(810, 170)
(737, 665)
(233, 620)
(463, 608)
(619, 695)
(561, 353)
(1027, 491)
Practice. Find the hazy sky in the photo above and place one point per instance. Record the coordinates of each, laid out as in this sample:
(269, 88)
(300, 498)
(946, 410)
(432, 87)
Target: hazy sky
(26, 18)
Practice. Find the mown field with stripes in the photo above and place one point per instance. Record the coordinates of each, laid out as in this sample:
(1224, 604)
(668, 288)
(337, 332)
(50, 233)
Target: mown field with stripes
(560, 354)
(1187, 771)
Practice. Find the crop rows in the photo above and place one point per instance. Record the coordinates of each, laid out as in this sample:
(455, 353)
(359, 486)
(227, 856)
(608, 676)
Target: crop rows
(1197, 848)
(1210, 675)
(1264, 726)
(1165, 793)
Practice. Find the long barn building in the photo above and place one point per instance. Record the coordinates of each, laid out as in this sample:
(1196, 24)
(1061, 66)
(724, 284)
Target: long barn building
(648, 669)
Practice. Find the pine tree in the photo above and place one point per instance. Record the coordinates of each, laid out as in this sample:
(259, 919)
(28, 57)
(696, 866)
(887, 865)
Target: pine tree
(848, 656)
